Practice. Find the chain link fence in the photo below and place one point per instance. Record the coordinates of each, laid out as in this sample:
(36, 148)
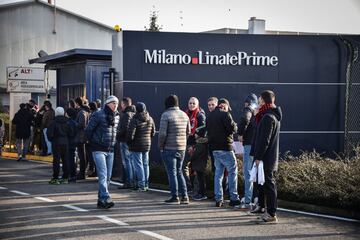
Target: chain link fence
(352, 97)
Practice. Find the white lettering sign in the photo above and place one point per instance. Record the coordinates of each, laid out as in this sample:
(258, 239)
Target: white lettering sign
(205, 58)
(31, 86)
(25, 73)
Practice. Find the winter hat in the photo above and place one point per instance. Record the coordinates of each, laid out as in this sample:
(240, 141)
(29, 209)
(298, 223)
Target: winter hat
(140, 107)
(251, 99)
(59, 111)
(224, 100)
(112, 98)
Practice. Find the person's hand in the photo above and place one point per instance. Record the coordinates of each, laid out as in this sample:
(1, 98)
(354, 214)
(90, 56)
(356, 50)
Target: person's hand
(241, 138)
(257, 162)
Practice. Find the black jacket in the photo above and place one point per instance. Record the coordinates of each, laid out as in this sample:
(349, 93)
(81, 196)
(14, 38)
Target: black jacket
(141, 130)
(102, 130)
(125, 118)
(247, 125)
(23, 120)
(266, 142)
(58, 131)
(220, 129)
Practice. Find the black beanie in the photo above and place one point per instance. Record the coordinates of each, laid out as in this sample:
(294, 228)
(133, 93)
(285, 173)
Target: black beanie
(140, 107)
(171, 101)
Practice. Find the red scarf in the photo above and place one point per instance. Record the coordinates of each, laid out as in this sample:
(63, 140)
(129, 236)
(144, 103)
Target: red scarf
(193, 119)
(262, 111)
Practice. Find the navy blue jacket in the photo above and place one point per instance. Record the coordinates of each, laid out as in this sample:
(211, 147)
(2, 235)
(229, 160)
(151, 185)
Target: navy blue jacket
(102, 130)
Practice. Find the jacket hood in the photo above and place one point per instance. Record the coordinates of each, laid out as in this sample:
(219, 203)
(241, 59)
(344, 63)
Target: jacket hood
(277, 112)
(142, 116)
(61, 119)
(130, 109)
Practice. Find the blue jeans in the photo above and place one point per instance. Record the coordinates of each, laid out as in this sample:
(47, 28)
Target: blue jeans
(127, 163)
(104, 164)
(173, 160)
(247, 165)
(140, 161)
(225, 159)
(48, 143)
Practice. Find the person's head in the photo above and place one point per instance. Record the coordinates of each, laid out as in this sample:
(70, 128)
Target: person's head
(93, 107)
(140, 107)
(71, 103)
(252, 99)
(112, 102)
(78, 102)
(71, 113)
(171, 101)
(32, 103)
(193, 103)
(22, 105)
(59, 111)
(224, 104)
(125, 102)
(212, 103)
(98, 103)
(266, 97)
(47, 105)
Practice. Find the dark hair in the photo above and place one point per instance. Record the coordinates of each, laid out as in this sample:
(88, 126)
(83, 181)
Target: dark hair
(22, 105)
(98, 103)
(71, 112)
(79, 101)
(93, 107)
(171, 101)
(71, 102)
(32, 101)
(47, 103)
(268, 96)
(127, 101)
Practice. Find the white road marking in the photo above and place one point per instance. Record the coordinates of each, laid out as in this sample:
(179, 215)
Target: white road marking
(20, 193)
(319, 215)
(155, 235)
(3, 188)
(44, 199)
(75, 208)
(112, 220)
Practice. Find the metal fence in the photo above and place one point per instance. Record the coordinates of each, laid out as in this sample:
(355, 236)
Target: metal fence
(352, 97)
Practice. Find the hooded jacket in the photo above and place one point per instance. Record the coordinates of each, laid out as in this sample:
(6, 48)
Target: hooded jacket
(141, 130)
(58, 131)
(247, 125)
(266, 142)
(23, 119)
(125, 118)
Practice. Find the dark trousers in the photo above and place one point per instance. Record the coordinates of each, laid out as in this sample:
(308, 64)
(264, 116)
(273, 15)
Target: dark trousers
(187, 171)
(60, 151)
(90, 158)
(82, 157)
(258, 191)
(72, 162)
(270, 192)
(201, 180)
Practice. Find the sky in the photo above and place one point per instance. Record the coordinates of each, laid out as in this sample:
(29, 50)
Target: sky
(320, 16)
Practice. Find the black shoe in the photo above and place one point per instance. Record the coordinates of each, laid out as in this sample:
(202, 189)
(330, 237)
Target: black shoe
(219, 203)
(72, 180)
(126, 186)
(173, 201)
(19, 159)
(93, 174)
(258, 210)
(80, 177)
(185, 200)
(234, 203)
(105, 204)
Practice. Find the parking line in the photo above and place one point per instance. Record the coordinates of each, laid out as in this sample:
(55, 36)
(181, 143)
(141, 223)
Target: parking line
(45, 199)
(112, 220)
(3, 188)
(20, 193)
(155, 235)
(75, 208)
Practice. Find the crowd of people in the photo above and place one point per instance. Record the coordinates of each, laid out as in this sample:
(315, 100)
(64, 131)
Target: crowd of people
(187, 139)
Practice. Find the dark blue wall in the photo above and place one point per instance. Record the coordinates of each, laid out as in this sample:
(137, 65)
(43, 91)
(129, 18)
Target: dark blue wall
(309, 80)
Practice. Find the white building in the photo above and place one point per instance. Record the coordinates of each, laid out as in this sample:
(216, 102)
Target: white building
(27, 27)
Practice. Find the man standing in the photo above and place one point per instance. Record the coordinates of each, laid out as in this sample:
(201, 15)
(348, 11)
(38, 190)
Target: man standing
(246, 128)
(173, 132)
(47, 118)
(23, 120)
(221, 128)
(266, 149)
(141, 131)
(128, 111)
(101, 132)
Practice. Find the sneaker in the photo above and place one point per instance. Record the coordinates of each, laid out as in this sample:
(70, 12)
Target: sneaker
(219, 203)
(172, 201)
(199, 197)
(268, 219)
(185, 200)
(234, 203)
(105, 204)
(64, 181)
(141, 190)
(54, 181)
(243, 206)
(258, 210)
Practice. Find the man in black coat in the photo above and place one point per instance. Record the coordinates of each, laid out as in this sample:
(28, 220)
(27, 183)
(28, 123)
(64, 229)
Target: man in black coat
(23, 120)
(266, 149)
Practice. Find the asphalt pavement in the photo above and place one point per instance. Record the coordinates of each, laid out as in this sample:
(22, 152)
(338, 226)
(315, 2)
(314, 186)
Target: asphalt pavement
(30, 208)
